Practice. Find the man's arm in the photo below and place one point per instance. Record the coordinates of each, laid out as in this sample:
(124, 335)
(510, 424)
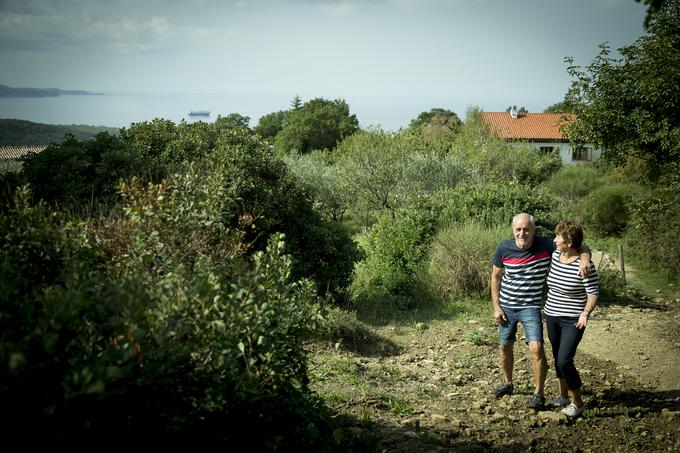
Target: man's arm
(496, 275)
(584, 267)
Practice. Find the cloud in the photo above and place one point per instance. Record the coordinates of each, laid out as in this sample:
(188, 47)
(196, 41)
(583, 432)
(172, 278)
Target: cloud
(46, 33)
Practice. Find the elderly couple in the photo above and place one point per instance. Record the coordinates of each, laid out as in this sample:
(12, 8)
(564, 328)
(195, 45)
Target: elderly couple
(520, 266)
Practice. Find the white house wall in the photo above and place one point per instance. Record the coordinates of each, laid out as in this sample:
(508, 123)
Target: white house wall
(565, 150)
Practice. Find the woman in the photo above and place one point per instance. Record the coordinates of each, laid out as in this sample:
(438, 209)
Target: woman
(571, 299)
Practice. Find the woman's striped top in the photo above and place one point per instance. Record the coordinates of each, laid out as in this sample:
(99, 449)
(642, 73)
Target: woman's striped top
(567, 291)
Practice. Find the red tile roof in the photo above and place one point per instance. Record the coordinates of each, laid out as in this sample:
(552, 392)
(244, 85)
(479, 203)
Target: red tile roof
(527, 126)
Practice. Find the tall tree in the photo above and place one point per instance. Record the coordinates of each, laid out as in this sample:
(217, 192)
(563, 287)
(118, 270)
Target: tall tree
(631, 106)
(318, 124)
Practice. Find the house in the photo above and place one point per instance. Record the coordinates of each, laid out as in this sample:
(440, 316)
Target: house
(541, 130)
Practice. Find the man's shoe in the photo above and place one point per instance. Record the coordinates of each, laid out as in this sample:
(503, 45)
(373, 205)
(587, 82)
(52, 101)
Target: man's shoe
(560, 401)
(504, 389)
(572, 410)
(537, 402)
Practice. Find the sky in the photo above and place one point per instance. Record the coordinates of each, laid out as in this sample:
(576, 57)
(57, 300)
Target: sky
(484, 53)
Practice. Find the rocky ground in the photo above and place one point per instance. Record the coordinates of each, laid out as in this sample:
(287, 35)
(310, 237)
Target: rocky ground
(426, 386)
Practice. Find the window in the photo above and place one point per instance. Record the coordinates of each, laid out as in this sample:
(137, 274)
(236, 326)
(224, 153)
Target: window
(546, 149)
(582, 153)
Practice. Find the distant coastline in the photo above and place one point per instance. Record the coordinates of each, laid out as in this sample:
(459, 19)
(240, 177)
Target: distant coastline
(9, 92)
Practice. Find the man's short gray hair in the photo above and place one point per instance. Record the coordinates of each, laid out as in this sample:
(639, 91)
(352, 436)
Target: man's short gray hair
(531, 219)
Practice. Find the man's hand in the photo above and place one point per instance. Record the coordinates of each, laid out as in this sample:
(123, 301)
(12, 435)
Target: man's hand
(499, 316)
(584, 269)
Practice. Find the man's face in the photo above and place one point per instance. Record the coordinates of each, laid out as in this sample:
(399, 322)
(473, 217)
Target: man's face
(523, 232)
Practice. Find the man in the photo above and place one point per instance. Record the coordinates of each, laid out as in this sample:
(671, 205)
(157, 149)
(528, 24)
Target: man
(520, 266)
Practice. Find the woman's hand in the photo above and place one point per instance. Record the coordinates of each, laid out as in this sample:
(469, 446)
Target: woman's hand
(582, 320)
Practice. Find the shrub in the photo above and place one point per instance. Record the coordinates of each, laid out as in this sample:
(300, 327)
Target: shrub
(460, 260)
(493, 204)
(395, 247)
(655, 226)
(172, 333)
(606, 210)
(573, 182)
(262, 186)
(494, 160)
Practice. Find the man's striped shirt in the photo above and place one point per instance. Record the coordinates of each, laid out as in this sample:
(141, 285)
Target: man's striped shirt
(524, 271)
(568, 291)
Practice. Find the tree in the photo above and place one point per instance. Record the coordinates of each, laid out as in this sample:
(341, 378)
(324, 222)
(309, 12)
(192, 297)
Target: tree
(442, 118)
(522, 109)
(560, 107)
(631, 106)
(318, 124)
(653, 6)
(232, 120)
(296, 103)
(271, 124)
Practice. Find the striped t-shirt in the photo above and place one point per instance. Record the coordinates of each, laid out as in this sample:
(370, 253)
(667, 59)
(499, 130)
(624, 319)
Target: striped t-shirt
(568, 291)
(524, 271)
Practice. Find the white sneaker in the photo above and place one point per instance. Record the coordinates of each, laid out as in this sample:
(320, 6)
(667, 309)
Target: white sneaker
(572, 410)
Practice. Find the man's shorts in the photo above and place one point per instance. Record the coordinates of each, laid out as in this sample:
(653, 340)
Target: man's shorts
(530, 317)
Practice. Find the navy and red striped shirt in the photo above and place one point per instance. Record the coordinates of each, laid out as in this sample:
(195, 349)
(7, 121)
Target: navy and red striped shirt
(524, 271)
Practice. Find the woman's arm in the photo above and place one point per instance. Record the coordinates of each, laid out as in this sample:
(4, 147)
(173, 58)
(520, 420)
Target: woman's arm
(585, 314)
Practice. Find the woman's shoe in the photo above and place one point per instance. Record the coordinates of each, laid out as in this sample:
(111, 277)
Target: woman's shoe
(572, 410)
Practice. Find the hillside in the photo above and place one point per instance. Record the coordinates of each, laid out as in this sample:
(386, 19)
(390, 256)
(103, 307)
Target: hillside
(26, 133)
(430, 390)
(7, 91)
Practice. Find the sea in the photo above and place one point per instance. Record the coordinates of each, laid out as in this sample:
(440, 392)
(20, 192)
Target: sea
(120, 109)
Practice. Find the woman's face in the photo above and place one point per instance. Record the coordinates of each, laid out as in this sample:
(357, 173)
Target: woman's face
(561, 244)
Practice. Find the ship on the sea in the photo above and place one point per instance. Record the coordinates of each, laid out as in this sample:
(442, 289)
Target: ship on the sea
(199, 113)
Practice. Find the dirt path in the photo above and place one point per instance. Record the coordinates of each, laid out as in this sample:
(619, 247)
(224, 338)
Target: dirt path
(432, 391)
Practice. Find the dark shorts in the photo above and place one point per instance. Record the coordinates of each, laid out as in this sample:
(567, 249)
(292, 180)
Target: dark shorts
(530, 317)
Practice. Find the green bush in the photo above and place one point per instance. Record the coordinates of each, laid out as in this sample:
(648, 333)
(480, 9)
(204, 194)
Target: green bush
(460, 260)
(606, 210)
(396, 247)
(493, 204)
(655, 226)
(493, 160)
(168, 334)
(573, 182)
(271, 199)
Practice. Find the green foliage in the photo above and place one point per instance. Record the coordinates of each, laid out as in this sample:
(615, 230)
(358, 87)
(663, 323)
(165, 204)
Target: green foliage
(315, 170)
(629, 106)
(372, 164)
(317, 124)
(573, 182)
(192, 141)
(76, 173)
(655, 226)
(437, 128)
(271, 124)
(232, 120)
(396, 247)
(606, 210)
(26, 133)
(438, 116)
(168, 334)
(492, 159)
(497, 203)
(263, 187)
(460, 260)
(148, 139)
(560, 107)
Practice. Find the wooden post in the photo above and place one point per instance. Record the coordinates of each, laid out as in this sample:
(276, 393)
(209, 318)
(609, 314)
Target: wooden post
(623, 266)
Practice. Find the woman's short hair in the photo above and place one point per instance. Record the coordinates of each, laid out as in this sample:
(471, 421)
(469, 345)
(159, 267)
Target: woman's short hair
(570, 232)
